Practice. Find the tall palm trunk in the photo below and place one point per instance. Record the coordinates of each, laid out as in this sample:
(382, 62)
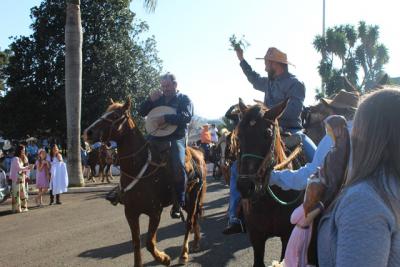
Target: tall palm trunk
(73, 89)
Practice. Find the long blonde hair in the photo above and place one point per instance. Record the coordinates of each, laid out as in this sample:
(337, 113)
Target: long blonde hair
(375, 146)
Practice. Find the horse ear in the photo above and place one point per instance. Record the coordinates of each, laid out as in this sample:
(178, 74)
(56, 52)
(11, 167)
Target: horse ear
(128, 103)
(277, 111)
(242, 106)
(258, 102)
(111, 101)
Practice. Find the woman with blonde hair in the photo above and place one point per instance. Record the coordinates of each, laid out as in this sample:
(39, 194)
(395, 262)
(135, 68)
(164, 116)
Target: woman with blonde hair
(42, 175)
(361, 228)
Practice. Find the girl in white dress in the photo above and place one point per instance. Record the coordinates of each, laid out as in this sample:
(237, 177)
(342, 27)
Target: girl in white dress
(59, 175)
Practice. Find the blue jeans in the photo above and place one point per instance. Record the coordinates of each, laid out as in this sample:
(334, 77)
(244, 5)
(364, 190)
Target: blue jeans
(178, 167)
(308, 145)
(234, 195)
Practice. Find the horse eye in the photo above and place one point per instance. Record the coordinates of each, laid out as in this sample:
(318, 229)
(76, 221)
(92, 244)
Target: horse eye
(269, 132)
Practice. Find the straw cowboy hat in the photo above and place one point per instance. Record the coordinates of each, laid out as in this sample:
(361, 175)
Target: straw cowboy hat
(343, 99)
(151, 125)
(274, 54)
(7, 145)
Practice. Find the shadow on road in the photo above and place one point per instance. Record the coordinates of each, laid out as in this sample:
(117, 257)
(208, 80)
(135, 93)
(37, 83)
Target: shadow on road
(113, 251)
(216, 249)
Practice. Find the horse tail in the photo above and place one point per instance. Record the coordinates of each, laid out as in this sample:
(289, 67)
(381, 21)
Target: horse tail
(198, 157)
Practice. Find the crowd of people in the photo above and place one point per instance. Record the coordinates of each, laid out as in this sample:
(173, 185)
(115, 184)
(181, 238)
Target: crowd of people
(25, 163)
(359, 225)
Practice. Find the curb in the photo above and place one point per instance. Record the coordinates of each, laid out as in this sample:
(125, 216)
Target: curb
(89, 189)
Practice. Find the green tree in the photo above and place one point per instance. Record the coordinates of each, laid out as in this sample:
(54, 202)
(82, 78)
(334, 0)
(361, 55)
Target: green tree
(344, 51)
(116, 62)
(4, 55)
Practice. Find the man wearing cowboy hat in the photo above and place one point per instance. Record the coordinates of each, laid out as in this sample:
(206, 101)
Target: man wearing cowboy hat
(183, 112)
(279, 86)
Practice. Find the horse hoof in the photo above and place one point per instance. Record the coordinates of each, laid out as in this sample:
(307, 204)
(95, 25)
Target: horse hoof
(165, 259)
(183, 261)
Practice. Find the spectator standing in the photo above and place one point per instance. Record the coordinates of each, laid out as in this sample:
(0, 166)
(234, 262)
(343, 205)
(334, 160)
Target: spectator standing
(42, 175)
(59, 176)
(18, 173)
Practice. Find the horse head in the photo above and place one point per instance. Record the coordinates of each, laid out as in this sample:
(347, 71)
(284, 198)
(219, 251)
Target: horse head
(260, 146)
(112, 125)
(314, 121)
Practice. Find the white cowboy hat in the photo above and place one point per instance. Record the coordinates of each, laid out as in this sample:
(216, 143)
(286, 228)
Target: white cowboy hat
(151, 125)
(7, 145)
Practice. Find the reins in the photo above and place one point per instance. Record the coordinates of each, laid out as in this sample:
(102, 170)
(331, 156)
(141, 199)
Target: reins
(135, 179)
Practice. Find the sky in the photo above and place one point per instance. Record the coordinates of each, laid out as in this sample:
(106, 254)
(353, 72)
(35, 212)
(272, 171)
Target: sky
(193, 40)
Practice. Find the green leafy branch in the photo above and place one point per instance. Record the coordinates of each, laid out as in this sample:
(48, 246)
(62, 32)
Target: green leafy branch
(237, 43)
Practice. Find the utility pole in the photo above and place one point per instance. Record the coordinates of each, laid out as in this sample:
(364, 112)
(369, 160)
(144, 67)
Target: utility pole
(323, 36)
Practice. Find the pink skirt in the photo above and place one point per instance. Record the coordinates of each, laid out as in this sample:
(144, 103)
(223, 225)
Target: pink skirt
(41, 180)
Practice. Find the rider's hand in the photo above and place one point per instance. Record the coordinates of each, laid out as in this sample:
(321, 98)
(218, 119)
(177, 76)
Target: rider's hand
(155, 95)
(239, 53)
(160, 120)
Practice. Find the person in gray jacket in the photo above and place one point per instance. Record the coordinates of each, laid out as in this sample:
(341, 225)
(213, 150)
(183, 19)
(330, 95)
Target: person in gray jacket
(361, 227)
(279, 86)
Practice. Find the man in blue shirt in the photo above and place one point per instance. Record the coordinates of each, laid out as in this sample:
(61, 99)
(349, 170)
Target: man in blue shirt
(169, 96)
(278, 86)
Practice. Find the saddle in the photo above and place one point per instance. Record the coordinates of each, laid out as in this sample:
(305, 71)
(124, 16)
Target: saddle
(162, 149)
(291, 141)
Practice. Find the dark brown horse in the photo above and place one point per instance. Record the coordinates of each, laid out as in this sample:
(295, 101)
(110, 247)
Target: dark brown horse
(267, 209)
(146, 180)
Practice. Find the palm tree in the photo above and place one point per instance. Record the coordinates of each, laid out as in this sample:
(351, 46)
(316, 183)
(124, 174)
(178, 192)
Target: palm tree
(150, 5)
(73, 85)
(73, 89)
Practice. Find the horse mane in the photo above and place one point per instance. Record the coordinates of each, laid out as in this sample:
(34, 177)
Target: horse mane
(280, 154)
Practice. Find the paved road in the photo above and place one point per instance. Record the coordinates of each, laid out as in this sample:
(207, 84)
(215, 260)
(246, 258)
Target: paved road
(87, 231)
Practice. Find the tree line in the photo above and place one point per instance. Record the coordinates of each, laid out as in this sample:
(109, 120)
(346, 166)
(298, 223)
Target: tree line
(117, 62)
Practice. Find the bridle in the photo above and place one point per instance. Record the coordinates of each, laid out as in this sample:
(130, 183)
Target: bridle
(135, 179)
(125, 116)
(267, 165)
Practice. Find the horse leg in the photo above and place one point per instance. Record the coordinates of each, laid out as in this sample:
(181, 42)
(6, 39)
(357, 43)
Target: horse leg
(258, 242)
(196, 241)
(159, 256)
(133, 221)
(101, 173)
(108, 173)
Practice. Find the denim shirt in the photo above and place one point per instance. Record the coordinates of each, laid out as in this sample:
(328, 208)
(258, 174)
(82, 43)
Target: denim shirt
(276, 91)
(184, 113)
(297, 179)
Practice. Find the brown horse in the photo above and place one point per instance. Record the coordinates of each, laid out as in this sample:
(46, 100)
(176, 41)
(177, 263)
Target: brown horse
(104, 157)
(267, 212)
(146, 180)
